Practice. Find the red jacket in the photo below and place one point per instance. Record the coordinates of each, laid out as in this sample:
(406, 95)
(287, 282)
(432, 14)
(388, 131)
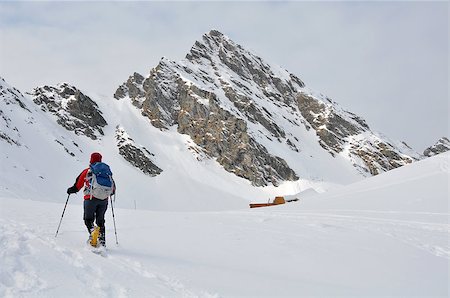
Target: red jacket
(82, 181)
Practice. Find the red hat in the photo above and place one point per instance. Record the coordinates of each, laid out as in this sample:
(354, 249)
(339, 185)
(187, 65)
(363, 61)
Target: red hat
(95, 157)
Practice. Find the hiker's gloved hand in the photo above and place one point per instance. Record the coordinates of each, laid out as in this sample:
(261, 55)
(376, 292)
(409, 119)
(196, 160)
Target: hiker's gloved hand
(72, 189)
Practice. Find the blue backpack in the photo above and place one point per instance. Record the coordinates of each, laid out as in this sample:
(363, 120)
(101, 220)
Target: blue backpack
(101, 183)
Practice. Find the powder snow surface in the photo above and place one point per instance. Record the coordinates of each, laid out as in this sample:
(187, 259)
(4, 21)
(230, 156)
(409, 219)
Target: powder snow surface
(383, 236)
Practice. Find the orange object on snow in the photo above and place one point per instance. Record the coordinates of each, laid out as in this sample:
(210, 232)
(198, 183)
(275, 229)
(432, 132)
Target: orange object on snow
(277, 201)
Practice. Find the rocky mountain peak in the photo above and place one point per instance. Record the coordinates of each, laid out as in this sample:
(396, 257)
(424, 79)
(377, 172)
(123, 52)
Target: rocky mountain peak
(442, 145)
(209, 45)
(74, 110)
(233, 105)
(216, 49)
(215, 43)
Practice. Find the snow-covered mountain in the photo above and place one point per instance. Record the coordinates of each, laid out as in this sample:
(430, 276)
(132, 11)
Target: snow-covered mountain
(222, 125)
(442, 145)
(47, 137)
(258, 121)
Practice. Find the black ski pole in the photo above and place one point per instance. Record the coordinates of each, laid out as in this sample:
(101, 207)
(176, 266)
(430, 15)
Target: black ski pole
(62, 215)
(114, 220)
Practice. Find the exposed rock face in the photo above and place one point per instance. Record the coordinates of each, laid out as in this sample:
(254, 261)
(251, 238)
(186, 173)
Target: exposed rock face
(198, 113)
(331, 128)
(133, 88)
(441, 146)
(136, 155)
(376, 154)
(338, 130)
(230, 102)
(74, 110)
(226, 137)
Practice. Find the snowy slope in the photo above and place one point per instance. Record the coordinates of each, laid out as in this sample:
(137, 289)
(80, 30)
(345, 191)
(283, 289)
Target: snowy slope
(385, 236)
(42, 159)
(420, 187)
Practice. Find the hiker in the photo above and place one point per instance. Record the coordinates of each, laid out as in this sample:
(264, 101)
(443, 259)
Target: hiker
(95, 201)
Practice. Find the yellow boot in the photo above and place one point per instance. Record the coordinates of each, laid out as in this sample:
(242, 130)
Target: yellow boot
(94, 237)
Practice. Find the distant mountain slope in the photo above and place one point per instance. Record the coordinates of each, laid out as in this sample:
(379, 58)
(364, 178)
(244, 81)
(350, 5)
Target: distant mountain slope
(442, 145)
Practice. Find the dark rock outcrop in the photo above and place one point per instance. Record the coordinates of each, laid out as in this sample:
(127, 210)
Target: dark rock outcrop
(132, 88)
(441, 146)
(74, 110)
(136, 155)
(338, 130)
(197, 113)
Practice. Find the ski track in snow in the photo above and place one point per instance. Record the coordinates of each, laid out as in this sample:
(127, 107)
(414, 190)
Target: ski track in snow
(85, 273)
(19, 277)
(174, 285)
(411, 232)
(121, 273)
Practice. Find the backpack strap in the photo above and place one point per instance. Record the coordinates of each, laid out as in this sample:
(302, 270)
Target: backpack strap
(89, 175)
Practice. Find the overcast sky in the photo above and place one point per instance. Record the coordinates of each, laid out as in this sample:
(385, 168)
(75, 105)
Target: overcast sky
(385, 61)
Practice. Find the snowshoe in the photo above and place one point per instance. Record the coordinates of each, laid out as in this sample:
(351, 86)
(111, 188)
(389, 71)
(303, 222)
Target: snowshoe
(93, 238)
(99, 250)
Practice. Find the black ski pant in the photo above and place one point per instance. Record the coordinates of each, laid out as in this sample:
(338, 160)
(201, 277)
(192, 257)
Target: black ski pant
(94, 210)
